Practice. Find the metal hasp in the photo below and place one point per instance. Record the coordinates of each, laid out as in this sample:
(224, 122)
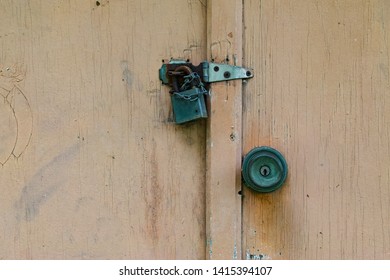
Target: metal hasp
(190, 85)
(264, 169)
(217, 72)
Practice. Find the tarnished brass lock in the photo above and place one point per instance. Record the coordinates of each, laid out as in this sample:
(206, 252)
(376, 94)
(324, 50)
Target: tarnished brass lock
(264, 169)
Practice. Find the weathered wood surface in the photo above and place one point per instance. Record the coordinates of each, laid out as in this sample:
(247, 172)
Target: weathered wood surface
(321, 95)
(92, 166)
(223, 178)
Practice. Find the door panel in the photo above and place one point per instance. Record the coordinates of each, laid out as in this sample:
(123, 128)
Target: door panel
(92, 165)
(321, 96)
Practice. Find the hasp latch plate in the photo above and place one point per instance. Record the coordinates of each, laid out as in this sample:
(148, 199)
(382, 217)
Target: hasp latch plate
(190, 85)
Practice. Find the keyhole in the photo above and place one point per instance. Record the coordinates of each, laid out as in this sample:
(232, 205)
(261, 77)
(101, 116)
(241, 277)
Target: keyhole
(265, 170)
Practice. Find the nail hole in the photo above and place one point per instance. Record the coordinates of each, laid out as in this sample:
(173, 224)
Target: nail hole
(239, 192)
(97, 3)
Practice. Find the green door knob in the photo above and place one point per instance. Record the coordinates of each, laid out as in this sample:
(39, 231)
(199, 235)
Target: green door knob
(264, 169)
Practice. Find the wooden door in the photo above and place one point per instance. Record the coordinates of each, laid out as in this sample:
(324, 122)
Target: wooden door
(93, 167)
(321, 96)
(91, 164)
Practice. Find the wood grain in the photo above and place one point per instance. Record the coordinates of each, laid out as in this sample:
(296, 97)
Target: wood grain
(321, 96)
(223, 179)
(107, 174)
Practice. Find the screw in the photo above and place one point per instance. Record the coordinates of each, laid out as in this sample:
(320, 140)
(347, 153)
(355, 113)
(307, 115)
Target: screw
(265, 170)
(226, 75)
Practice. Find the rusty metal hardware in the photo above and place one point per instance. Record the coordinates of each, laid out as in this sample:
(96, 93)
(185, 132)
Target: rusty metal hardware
(189, 85)
(209, 72)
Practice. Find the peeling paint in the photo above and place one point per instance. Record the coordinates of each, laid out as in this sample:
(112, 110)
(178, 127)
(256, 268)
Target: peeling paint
(126, 73)
(260, 256)
(210, 246)
(235, 252)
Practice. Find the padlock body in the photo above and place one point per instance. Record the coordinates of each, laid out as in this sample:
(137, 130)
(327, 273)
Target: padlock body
(189, 105)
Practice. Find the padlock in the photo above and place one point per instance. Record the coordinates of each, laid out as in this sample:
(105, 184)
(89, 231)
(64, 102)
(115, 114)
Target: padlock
(190, 85)
(189, 105)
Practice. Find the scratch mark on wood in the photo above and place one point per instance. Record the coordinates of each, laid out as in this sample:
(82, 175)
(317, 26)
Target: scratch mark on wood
(17, 107)
(187, 52)
(8, 131)
(220, 50)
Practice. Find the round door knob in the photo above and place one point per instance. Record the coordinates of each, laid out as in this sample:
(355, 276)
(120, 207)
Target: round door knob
(264, 169)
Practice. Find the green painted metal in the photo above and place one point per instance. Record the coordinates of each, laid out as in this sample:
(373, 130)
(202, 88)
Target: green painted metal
(190, 85)
(217, 72)
(264, 169)
(189, 105)
(162, 72)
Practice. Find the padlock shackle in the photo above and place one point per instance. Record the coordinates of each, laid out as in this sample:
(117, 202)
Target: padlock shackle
(181, 71)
